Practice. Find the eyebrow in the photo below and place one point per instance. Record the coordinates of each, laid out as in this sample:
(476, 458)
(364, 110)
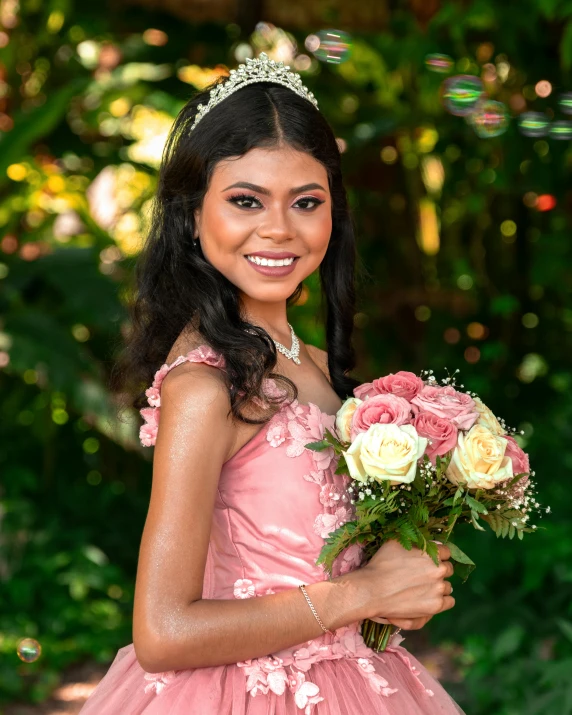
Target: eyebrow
(262, 190)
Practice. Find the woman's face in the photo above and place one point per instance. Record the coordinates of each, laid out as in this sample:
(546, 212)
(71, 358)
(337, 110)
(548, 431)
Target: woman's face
(271, 202)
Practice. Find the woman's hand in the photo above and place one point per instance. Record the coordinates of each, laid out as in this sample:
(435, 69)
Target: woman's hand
(406, 588)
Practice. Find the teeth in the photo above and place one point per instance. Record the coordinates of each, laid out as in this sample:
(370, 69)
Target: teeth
(270, 261)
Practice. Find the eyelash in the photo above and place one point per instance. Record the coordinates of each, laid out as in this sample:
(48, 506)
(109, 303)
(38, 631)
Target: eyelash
(249, 197)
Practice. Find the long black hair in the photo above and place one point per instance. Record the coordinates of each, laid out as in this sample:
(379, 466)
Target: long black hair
(174, 284)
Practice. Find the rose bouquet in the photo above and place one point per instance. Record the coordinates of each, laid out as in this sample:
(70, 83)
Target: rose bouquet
(424, 457)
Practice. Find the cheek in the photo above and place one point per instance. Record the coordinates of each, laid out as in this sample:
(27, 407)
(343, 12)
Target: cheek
(317, 232)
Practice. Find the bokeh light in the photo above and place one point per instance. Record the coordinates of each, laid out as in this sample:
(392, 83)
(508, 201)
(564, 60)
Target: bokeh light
(543, 88)
(452, 336)
(439, 63)
(28, 650)
(472, 354)
(489, 118)
(533, 124)
(565, 102)
(334, 46)
(389, 155)
(561, 129)
(545, 202)
(460, 94)
(477, 331)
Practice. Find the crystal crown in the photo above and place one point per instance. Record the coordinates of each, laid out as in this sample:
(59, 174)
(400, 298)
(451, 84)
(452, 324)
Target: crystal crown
(260, 69)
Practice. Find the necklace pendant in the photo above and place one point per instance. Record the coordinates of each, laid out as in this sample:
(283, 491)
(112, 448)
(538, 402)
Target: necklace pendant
(296, 360)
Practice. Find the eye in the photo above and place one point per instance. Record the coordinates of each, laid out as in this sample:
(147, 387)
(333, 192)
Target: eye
(308, 200)
(245, 201)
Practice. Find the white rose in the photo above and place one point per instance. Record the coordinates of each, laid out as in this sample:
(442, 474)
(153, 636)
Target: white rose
(479, 460)
(487, 418)
(386, 452)
(344, 417)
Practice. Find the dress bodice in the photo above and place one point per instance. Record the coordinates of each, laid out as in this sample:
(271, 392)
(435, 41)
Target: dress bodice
(276, 501)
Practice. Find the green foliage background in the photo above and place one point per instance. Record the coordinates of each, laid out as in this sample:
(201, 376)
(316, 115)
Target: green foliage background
(85, 91)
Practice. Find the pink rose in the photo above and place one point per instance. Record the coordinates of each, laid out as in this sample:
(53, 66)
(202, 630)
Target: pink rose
(520, 462)
(441, 434)
(380, 409)
(148, 431)
(401, 384)
(446, 402)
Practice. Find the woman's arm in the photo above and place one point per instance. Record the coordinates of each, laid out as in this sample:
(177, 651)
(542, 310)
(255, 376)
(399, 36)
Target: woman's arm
(173, 627)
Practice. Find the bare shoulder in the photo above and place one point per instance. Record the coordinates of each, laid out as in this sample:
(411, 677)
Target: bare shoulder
(320, 357)
(194, 389)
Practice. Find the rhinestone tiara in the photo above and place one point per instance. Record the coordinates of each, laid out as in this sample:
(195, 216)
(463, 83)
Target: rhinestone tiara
(260, 69)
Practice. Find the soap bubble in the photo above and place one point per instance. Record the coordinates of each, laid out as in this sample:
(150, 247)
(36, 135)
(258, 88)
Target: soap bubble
(561, 130)
(439, 63)
(566, 102)
(533, 124)
(28, 650)
(489, 118)
(334, 47)
(460, 94)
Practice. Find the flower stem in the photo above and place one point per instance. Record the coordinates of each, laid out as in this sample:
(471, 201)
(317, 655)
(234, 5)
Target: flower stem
(376, 635)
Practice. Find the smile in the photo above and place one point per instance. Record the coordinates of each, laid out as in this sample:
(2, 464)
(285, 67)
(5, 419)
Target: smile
(270, 261)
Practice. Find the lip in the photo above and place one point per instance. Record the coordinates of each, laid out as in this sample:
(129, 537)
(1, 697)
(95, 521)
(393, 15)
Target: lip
(274, 271)
(273, 254)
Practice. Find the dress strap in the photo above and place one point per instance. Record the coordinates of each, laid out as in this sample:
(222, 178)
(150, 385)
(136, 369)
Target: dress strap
(148, 431)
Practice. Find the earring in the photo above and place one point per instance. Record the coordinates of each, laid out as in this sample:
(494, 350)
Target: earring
(196, 242)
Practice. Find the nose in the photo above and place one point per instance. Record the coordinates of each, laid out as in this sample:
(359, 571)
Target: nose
(277, 225)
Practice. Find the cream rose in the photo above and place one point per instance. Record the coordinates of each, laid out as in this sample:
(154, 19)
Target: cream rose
(479, 460)
(344, 417)
(386, 452)
(486, 417)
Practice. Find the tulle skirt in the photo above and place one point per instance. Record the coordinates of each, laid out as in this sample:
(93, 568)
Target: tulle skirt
(389, 683)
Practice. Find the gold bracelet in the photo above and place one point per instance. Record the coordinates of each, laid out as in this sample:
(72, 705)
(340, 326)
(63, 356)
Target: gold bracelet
(303, 589)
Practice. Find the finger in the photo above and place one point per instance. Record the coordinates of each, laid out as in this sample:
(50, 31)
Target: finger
(380, 620)
(444, 552)
(447, 588)
(448, 603)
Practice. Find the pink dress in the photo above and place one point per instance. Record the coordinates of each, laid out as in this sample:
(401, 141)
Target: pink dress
(276, 503)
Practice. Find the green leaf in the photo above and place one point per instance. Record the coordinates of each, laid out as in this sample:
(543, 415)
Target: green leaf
(475, 505)
(464, 565)
(331, 438)
(432, 550)
(318, 446)
(458, 494)
(474, 519)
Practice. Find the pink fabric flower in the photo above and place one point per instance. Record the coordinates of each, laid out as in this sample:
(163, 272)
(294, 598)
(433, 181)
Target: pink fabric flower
(351, 558)
(380, 409)
(159, 680)
(244, 588)
(441, 433)
(331, 495)
(402, 384)
(276, 434)
(520, 461)
(326, 523)
(448, 403)
(153, 396)
(307, 696)
(148, 431)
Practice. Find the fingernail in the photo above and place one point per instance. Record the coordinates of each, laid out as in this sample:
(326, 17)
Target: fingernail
(437, 542)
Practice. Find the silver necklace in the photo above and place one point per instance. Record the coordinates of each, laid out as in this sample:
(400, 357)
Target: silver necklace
(294, 351)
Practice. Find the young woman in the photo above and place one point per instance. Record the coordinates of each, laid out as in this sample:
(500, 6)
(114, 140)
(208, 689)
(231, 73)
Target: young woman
(232, 616)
